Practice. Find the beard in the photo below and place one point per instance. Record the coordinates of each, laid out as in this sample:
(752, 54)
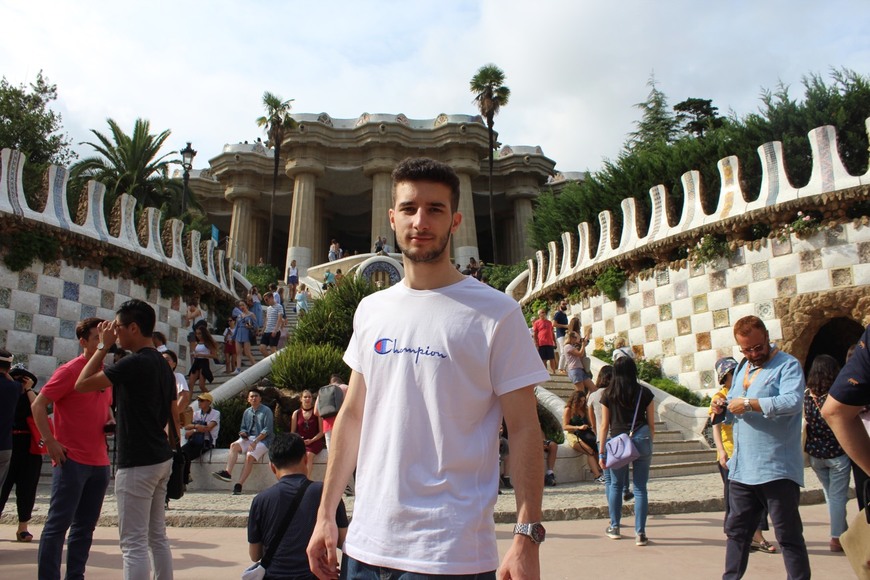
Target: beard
(424, 256)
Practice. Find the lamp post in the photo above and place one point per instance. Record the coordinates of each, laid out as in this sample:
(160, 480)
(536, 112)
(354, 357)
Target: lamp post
(187, 155)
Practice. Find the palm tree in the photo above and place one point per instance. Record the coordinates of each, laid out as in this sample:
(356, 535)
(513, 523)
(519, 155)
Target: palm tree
(277, 122)
(490, 96)
(130, 164)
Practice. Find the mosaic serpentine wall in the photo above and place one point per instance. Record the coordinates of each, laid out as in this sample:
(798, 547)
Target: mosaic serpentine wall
(684, 315)
(40, 306)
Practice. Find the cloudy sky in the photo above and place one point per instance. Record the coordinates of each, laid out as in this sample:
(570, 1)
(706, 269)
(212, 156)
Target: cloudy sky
(575, 67)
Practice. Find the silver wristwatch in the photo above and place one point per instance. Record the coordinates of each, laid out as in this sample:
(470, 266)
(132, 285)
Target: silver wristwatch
(534, 531)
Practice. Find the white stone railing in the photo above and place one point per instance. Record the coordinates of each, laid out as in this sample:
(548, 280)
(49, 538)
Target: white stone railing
(828, 175)
(56, 214)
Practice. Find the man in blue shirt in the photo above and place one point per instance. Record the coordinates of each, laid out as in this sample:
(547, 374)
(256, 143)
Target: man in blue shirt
(766, 469)
(255, 435)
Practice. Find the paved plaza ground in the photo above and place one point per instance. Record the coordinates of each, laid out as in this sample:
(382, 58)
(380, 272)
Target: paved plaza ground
(684, 528)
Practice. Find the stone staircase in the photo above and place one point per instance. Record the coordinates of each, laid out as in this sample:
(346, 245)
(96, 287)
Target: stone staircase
(673, 453)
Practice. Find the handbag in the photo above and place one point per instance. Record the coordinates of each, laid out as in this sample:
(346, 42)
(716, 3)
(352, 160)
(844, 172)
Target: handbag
(257, 570)
(620, 449)
(856, 540)
(175, 485)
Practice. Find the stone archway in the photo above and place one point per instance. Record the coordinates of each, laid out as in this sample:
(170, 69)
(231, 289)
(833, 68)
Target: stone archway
(804, 315)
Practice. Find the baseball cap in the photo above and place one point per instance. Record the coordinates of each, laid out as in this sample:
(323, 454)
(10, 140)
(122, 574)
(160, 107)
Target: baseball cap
(724, 366)
(205, 397)
(624, 351)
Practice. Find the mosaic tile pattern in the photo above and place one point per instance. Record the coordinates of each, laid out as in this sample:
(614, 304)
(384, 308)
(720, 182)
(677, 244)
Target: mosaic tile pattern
(841, 277)
(740, 295)
(51, 269)
(687, 363)
(811, 260)
(717, 281)
(107, 299)
(764, 310)
(5, 295)
(665, 312)
(27, 281)
(649, 298)
(596, 314)
(699, 304)
(721, 318)
(708, 379)
(864, 252)
(45, 345)
(92, 277)
(175, 303)
(760, 271)
(620, 305)
(124, 287)
(669, 347)
(835, 236)
(23, 321)
(663, 277)
(651, 332)
(634, 319)
(702, 341)
(632, 286)
(67, 329)
(695, 271)
(48, 305)
(609, 326)
(780, 247)
(681, 289)
(786, 287)
(737, 258)
(88, 311)
(3, 333)
(71, 291)
(684, 326)
(162, 314)
(153, 295)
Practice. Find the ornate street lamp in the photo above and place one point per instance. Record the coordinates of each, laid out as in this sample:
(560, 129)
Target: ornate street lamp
(187, 155)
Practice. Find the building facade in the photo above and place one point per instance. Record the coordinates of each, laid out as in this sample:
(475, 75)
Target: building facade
(335, 183)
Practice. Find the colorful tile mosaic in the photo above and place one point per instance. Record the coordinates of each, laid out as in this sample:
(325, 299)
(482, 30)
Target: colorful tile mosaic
(811, 260)
(841, 277)
(634, 319)
(23, 322)
(609, 326)
(124, 287)
(684, 326)
(651, 332)
(27, 281)
(740, 295)
(649, 298)
(662, 278)
(760, 271)
(632, 286)
(665, 312)
(687, 363)
(107, 300)
(717, 280)
(695, 271)
(51, 269)
(708, 379)
(681, 289)
(45, 345)
(764, 310)
(88, 311)
(48, 305)
(835, 236)
(71, 291)
(780, 247)
(67, 329)
(596, 314)
(864, 252)
(620, 305)
(702, 341)
(699, 304)
(92, 277)
(786, 287)
(5, 295)
(669, 347)
(721, 318)
(737, 257)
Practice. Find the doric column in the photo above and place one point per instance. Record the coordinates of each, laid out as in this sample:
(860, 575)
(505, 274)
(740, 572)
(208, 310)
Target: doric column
(240, 248)
(301, 241)
(379, 169)
(465, 238)
(522, 215)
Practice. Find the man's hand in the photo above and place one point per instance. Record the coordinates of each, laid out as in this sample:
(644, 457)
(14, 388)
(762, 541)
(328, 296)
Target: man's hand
(722, 458)
(322, 557)
(736, 406)
(718, 404)
(56, 451)
(522, 561)
(108, 332)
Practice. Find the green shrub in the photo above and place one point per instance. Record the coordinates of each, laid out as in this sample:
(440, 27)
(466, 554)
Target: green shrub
(530, 311)
(550, 425)
(330, 318)
(677, 390)
(610, 282)
(499, 275)
(709, 249)
(231, 418)
(24, 246)
(263, 275)
(307, 366)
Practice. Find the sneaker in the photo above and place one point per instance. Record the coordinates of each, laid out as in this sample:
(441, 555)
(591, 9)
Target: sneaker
(237, 489)
(506, 482)
(628, 496)
(599, 479)
(613, 532)
(223, 475)
(640, 540)
(348, 491)
(550, 480)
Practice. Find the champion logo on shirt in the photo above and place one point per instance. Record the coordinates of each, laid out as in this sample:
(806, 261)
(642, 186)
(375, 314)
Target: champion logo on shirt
(389, 346)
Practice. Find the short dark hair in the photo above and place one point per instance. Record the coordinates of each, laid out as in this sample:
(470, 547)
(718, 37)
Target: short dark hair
(256, 391)
(336, 378)
(747, 324)
(83, 328)
(157, 335)
(415, 169)
(286, 450)
(141, 313)
(171, 354)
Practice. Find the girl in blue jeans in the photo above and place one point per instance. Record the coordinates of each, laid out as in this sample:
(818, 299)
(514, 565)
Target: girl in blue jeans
(627, 407)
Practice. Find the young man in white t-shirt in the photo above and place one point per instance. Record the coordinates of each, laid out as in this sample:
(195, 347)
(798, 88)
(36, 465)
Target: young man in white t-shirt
(436, 361)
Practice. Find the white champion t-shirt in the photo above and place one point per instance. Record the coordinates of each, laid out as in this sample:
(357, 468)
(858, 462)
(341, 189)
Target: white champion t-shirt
(434, 363)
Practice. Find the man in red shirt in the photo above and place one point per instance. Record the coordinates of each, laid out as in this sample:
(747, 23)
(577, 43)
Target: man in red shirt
(80, 472)
(545, 340)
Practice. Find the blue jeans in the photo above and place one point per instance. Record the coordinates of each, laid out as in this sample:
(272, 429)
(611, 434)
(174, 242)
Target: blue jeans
(615, 481)
(140, 492)
(77, 493)
(355, 570)
(834, 475)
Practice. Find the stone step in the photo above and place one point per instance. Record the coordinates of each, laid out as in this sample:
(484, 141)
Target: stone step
(681, 445)
(683, 456)
(667, 435)
(678, 469)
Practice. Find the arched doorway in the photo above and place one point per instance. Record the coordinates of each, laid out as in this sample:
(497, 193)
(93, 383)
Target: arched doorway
(834, 338)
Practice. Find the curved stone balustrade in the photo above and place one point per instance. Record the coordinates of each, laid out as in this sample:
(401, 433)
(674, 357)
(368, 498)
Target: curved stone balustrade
(828, 175)
(207, 264)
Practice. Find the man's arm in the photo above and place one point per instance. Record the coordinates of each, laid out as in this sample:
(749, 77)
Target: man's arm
(520, 413)
(343, 451)
(92, 378)
(39, 408)
(255, 551)
(849, 429)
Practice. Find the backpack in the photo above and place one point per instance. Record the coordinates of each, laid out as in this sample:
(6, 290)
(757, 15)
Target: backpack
(329, 400)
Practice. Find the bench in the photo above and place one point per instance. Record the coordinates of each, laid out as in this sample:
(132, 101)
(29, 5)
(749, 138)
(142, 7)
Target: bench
(261, 477)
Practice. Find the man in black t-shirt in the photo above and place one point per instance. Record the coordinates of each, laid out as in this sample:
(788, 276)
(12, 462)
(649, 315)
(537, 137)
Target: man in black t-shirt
(145, 393)
(289, 462)
(848, 399)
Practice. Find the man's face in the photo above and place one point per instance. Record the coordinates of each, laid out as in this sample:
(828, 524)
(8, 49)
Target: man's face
(755, 346)
(254, 400)
(423, 221)
(563, 306)
(89, 344)
(123, 332)
(542, 314)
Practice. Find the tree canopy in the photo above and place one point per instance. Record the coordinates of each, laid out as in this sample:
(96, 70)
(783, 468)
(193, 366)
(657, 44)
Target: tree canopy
(29, 125)
(276, 123)
(660, 151)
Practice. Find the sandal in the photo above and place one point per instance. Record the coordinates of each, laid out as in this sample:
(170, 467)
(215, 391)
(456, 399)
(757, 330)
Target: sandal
(23, 536)
(762, 546)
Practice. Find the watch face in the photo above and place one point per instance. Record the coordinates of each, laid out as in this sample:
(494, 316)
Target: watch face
(538, 533)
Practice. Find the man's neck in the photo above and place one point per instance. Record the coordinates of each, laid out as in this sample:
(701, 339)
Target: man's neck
(430, 275)
(297, 469)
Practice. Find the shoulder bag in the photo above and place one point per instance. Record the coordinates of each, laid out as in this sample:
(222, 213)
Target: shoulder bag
(856, 540)
(257, 570)
(175, 485)
(620, 449)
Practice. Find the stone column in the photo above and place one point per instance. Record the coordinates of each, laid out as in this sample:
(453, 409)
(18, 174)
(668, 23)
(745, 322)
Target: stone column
(301, 241)
(465, 238)
(240, 248)
(522, 205)
(379, 169)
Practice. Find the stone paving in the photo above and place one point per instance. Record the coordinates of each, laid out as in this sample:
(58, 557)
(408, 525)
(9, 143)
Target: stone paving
(672, 495)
